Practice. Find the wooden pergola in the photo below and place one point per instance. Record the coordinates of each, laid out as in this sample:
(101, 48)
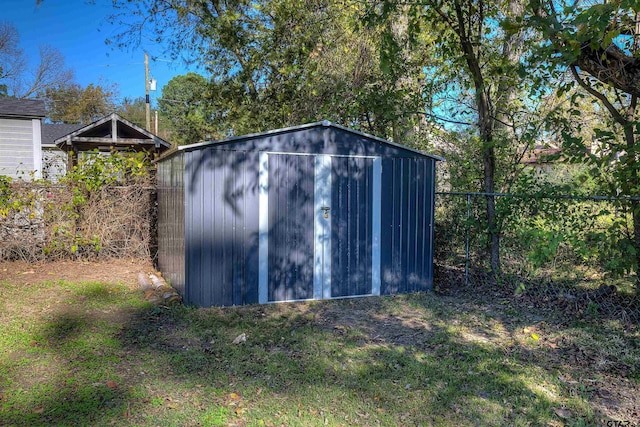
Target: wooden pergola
(112, 132)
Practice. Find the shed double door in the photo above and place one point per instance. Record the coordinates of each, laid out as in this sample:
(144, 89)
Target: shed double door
(319, 227)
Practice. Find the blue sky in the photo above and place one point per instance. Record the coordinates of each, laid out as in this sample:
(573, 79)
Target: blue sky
(79, 29)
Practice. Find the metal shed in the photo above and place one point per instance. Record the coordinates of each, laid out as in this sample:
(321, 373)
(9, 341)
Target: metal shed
(310, 212)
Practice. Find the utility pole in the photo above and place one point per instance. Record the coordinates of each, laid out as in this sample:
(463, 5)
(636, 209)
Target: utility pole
(146, 88)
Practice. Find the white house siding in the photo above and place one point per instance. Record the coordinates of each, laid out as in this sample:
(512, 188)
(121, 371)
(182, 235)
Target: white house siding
(36, 126)
(19, 150)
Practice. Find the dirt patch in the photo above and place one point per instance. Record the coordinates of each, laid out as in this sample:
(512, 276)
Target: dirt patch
(123, 271)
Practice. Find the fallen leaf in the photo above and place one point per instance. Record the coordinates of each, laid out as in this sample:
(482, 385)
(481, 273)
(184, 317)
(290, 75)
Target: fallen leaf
(38, 410)
(234, 396)
(535, 337)
(112, 384)
(240, 338)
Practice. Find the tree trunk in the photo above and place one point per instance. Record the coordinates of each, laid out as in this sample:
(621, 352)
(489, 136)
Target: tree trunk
(488, 159)
(634, 179)
(486, 125)
(635, 206)
(485, 122)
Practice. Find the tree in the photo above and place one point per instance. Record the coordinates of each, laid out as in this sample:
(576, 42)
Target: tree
(599, 45)
(12, 62)
(276, 63)
(185, 105)
(21, 82)
(134, 110)
(74, 104)
(474, 77)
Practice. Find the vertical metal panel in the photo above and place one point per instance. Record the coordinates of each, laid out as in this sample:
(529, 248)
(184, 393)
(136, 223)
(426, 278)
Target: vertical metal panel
(430, 203)
(194, 239)
(249, 232)
(406, 230)
(222, 234)
(322, 229)
(171, 221)
(291, 238)
(351, 226)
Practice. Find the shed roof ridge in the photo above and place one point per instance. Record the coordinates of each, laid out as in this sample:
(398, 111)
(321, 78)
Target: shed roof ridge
(323, 123)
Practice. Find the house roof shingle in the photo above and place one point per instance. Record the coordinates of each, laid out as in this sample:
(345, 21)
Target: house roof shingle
(26, 108)
(51, 132)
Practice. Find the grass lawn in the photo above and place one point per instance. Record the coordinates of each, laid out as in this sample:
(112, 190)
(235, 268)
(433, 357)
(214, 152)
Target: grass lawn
(94, 353)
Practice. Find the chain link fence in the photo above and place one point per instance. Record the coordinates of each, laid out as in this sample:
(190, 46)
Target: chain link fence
(573, 256)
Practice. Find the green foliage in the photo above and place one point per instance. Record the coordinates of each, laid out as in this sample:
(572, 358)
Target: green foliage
(74, 104)
(134, 110)
(14, 200)
(551, 229)
(280, 63)
(98, 169)
(488, 80)
(186, 105)
(5, 189)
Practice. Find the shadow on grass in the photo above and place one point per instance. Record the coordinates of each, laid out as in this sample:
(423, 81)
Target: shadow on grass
(349, 362)
(61, 375)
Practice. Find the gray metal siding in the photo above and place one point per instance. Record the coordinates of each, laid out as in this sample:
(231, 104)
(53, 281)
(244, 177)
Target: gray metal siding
(407, 222)
(222, 227)
(351, 217)
(291, 237)
(219, 212)
(171, 222)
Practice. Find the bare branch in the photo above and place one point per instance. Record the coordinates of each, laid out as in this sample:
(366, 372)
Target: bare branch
(50, 73)
(12, 59)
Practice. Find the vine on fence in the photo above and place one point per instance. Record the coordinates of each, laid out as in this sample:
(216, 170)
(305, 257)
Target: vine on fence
(101, 208)
(571, 254)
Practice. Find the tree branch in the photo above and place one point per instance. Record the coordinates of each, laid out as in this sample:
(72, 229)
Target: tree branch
(612, 110)
(442, 119)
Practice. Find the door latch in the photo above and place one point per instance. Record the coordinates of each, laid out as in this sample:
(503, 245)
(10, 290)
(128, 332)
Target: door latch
(326, 211)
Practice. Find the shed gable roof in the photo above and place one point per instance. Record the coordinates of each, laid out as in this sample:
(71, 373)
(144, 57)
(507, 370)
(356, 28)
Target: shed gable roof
(293, 129)
(22, 108)
(112, 131)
